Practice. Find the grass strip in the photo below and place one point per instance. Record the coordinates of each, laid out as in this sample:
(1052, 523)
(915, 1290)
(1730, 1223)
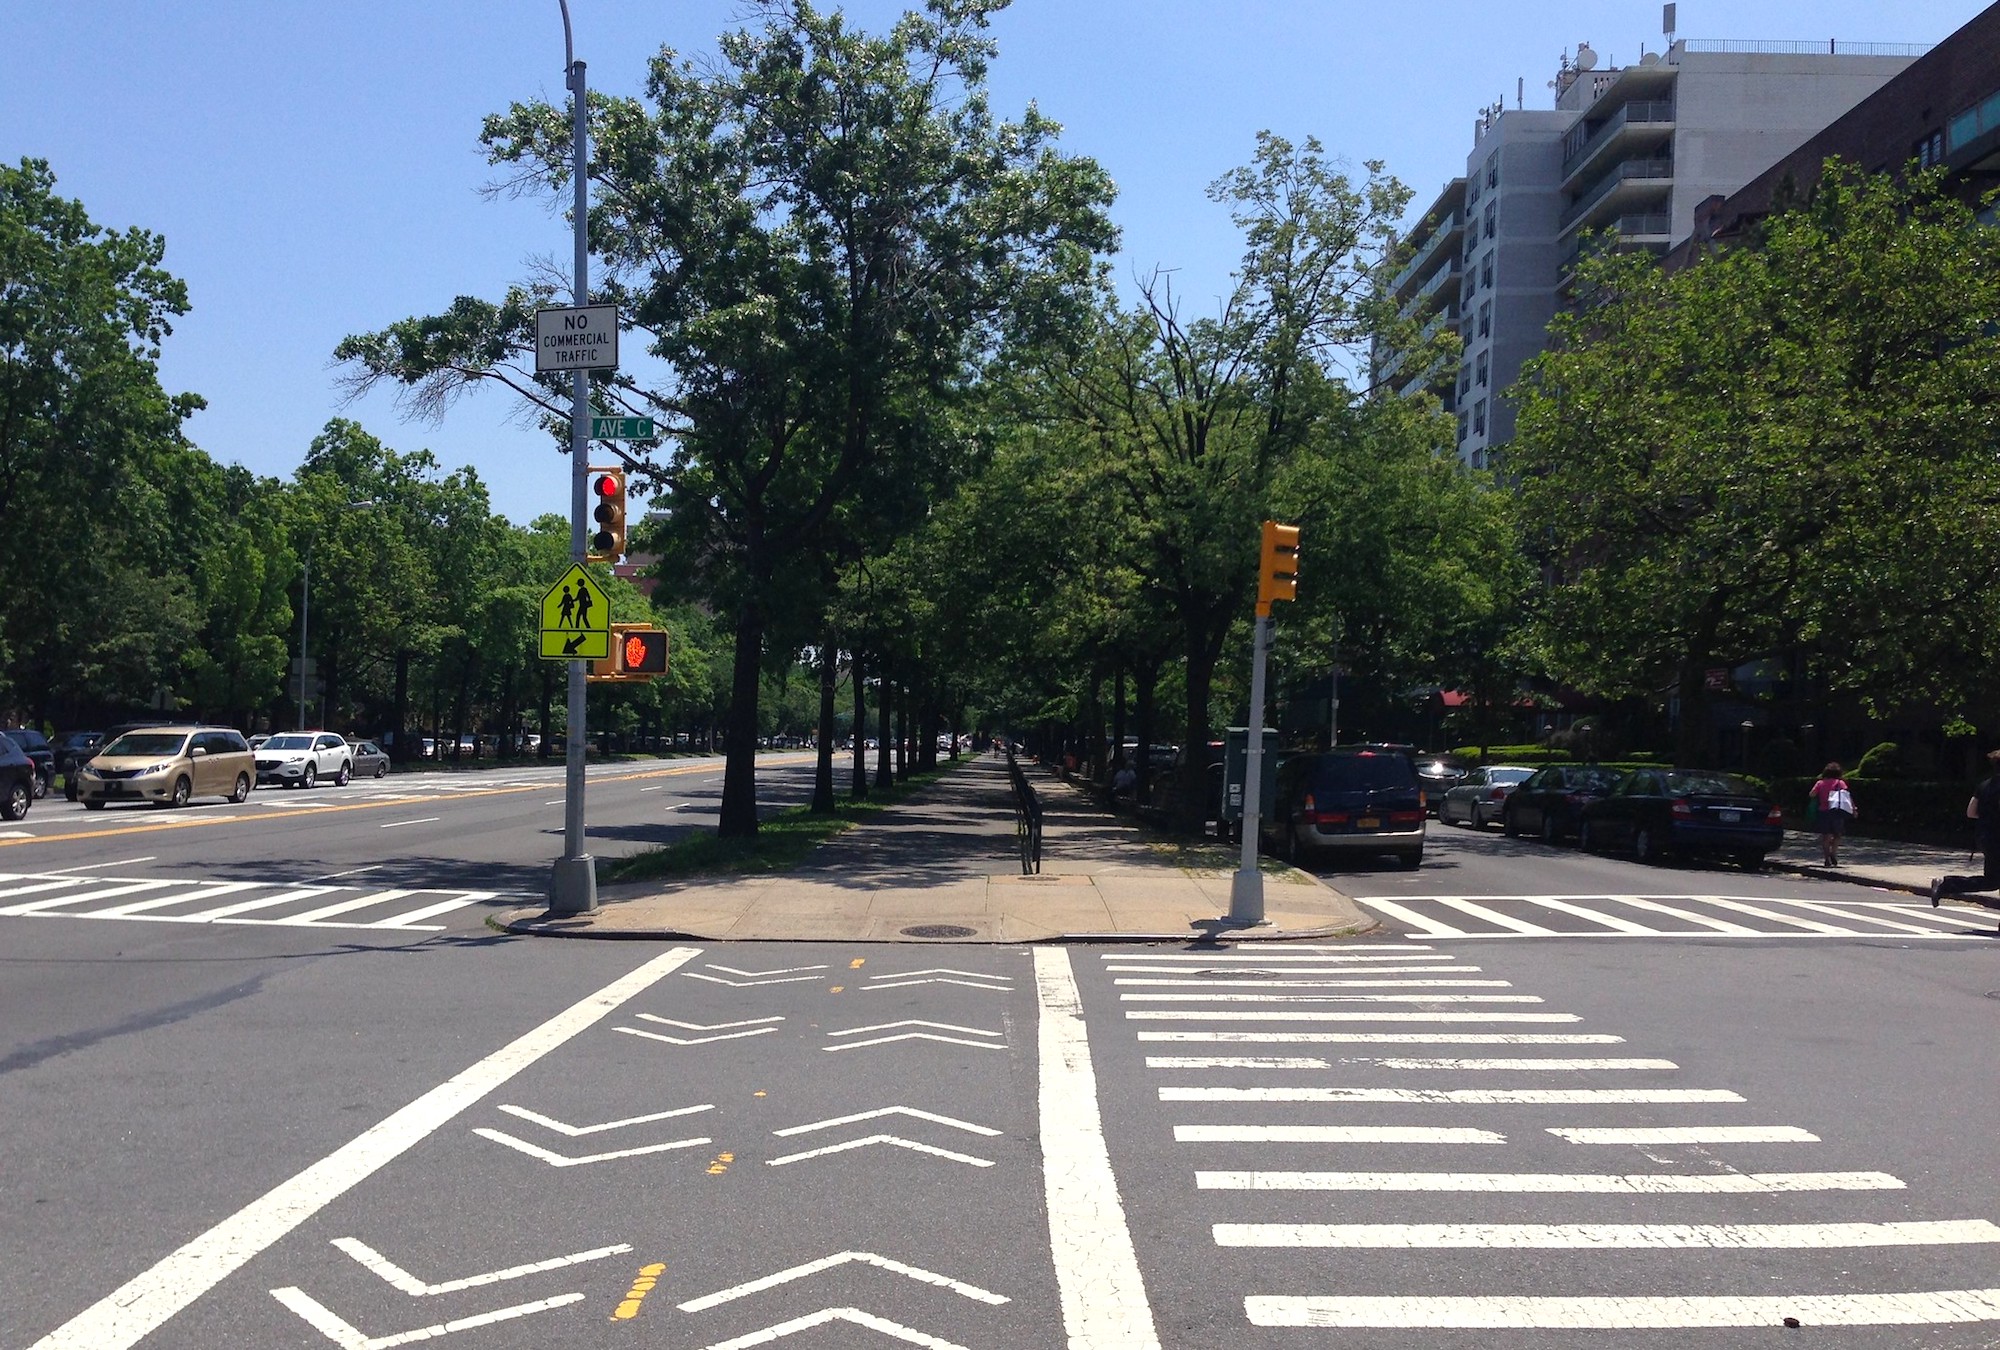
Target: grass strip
(783, 840)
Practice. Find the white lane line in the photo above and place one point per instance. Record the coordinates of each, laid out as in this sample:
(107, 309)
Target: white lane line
(1382, 1037)
(350, 1337)
(420, 820)
(1552, 1183)
(352, 872)
(1391, 1062)
(1333, 1134)
(17, 834)
(432, 911)
(661, 788)
(1597, 916)
(1689, 1134)
(1494, 916)
(1318, 984)
(84, 897)
(1662, 1312)
(1097, 1271)
(1609, 1236)
(1238, 1016)
(1261, 958)
(129, 1313)
(1442, 968)
(1456, 1096)
(1426, 926)
(397, 1277)
(1329, 998)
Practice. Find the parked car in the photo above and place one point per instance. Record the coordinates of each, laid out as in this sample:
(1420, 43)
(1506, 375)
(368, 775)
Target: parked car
(168, 766)
(1658, 812)
(1347, 801)
(1438, 774)
(37, 748)
(301, 758)
(17, 780)
(73, 748)
(1480, 796)
(1550, 803)
(370, 760)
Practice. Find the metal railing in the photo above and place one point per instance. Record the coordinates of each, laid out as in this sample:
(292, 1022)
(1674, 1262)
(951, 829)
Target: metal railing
(1027, 816)
(1628, 171)
(1579, 144)
(1445, 229)
(1831, 47)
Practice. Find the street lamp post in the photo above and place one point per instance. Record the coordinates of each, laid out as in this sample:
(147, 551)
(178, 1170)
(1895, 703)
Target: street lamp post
(305, 606)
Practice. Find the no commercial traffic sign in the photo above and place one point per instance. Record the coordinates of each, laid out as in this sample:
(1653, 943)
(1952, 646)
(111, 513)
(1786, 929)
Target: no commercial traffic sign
(584, 338)
(576, 619)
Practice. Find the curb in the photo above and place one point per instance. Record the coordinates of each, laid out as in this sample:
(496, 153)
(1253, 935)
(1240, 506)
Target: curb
(539, 926)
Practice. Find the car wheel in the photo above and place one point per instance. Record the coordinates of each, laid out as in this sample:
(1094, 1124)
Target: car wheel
(93, 804)
(382, 769)
(1474, 819)
(1510, 824)
(183, 789)
(1548, 829)
(1750, 862)
(346, 773)
(309, 777)
(1644, 846)
(242, 793)
(41, 786)
(1412, 859)
(15, 805)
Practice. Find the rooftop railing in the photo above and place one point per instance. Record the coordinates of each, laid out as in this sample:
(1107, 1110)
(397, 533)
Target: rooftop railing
(1831, 47)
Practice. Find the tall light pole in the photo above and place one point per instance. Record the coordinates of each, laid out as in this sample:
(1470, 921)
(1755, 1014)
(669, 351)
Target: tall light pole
(573, 881)
(305, 606)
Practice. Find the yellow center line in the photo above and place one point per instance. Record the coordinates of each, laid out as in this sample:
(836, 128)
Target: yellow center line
(291, 814)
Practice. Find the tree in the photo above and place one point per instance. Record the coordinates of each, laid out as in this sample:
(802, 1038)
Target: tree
(1789, 447)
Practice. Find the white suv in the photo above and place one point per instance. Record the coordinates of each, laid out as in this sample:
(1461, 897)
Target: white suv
(302, 758)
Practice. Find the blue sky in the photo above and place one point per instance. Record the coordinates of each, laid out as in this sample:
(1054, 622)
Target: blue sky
(315, 167)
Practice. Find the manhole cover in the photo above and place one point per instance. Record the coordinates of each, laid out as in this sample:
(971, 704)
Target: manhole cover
(940, 930)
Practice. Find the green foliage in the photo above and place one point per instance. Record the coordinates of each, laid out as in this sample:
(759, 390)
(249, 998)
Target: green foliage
(1883, 760)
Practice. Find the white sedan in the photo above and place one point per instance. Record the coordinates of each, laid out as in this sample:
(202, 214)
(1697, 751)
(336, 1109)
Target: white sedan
(1478, 798)
(301, 758)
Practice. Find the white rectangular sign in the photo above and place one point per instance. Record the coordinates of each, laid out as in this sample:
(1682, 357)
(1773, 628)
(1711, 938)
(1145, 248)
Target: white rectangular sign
(585, 338)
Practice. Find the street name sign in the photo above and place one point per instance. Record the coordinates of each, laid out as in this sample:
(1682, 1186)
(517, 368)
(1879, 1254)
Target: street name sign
(621, 428)
(576, 619)
(583, 338)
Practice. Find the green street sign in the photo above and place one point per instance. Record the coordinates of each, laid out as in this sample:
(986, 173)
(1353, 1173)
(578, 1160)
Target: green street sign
(621, 428)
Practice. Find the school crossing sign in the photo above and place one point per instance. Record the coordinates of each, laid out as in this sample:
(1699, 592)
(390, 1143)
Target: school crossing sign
(576, 619)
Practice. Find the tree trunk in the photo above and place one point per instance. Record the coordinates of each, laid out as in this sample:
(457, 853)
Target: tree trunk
(739, 773)
(1118, 715)
(1144, 682)
(1691, 735)
(926, 746)
(902, 733)
(399, 720)
(886, 698)
(860, 790)
(829, 657)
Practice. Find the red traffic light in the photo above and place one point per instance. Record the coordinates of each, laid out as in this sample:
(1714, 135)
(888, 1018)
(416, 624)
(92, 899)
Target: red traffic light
(604, 484)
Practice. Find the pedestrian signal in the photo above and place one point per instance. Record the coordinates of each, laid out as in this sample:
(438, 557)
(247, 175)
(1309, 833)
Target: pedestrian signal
(642, 651)
(607, 539)
(1278, 568)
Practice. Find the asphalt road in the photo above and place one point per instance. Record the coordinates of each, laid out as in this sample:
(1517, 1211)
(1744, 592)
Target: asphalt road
(276, 1135)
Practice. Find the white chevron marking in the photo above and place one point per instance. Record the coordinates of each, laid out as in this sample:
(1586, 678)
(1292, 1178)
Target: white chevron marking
(416, 1288)
(826, 1315)
(880, 1262)
(719, 1026)
(578, 1131)
(942, 970)
(748, 984)
(896, 1140)
(760, 974)
(891, 1026)
(968, 984)
(829, 1123)
(919, 1036)
(349, 1337)
(558, 1160)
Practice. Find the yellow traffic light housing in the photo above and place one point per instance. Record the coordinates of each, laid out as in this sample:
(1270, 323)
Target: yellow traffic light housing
(1278, 567)
(607, 536)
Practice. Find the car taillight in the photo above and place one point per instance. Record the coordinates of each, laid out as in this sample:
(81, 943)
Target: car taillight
(1775, 816)
(1406, 817)
(1423, 798)
(1682, 811)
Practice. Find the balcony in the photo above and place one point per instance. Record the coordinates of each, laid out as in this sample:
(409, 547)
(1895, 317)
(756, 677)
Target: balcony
(1656, 172)
(1447, 231)
(1447, 275)
(1585, 142)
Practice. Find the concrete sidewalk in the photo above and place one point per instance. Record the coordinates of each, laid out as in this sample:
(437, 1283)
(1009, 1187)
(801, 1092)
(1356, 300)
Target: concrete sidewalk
(1882, 862)
(944, 865)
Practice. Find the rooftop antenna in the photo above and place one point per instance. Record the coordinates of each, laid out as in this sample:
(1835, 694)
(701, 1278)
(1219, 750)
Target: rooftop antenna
(1520, 92)
(1668, 20)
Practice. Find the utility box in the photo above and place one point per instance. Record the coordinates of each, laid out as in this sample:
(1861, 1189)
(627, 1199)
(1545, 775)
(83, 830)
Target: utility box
(1235, 757)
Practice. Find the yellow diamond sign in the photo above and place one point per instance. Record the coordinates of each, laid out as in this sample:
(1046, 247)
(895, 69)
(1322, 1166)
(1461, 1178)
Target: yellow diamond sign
(576, 619)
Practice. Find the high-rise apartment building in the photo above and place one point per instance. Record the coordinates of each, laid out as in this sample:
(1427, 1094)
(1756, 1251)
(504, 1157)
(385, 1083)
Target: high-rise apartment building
(1621, 161)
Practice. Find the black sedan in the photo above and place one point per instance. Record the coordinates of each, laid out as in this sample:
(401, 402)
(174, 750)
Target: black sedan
(37, 748)
(1658, 812)
(18, 776)
(1550, 804)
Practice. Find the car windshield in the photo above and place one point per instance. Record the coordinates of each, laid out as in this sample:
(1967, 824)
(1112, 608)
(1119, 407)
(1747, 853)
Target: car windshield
(1706, 784)
(1347, 773)
(136, 743)
(289, 743)
(1504, 776)
(1599, 779)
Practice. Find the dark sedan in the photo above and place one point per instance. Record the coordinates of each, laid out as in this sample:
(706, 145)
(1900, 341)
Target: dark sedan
(1657, 812)
(1550, 804)
(18, 777)
(37, 748)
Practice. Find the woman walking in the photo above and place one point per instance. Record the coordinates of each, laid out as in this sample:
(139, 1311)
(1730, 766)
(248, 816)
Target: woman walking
(1833, 804)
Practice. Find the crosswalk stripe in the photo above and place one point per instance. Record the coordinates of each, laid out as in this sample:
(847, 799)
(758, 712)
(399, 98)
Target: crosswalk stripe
(266, 902)
(1912, 920)
(1494, 916)
(195, 896)
(1426, 926)
(459, 901)
(1235, 1015)
(1329, 998)
(1759, 912)
(1259, 958)
(1334, 1134)
(329, 911)
(1319, 984)
(1382, 1037)
(1391, 1062)
(1688, 1134)
(1609, 1236)
(1610, 921)
(1686, 916)
(1444, 969)
(1456, 1096)
(1553, 1183)
(85, 897)
(12, 891)
(1556, 1313)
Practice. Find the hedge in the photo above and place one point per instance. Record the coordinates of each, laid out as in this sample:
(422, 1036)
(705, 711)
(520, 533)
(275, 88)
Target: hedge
(1890, 808)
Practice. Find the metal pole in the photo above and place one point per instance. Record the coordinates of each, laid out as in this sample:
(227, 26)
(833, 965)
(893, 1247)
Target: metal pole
(1246, 887)
(305, 609)
(573, 884)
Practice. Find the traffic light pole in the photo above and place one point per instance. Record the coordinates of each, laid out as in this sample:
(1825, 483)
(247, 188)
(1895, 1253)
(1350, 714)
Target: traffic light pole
(1246, 887)
(573, 883)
